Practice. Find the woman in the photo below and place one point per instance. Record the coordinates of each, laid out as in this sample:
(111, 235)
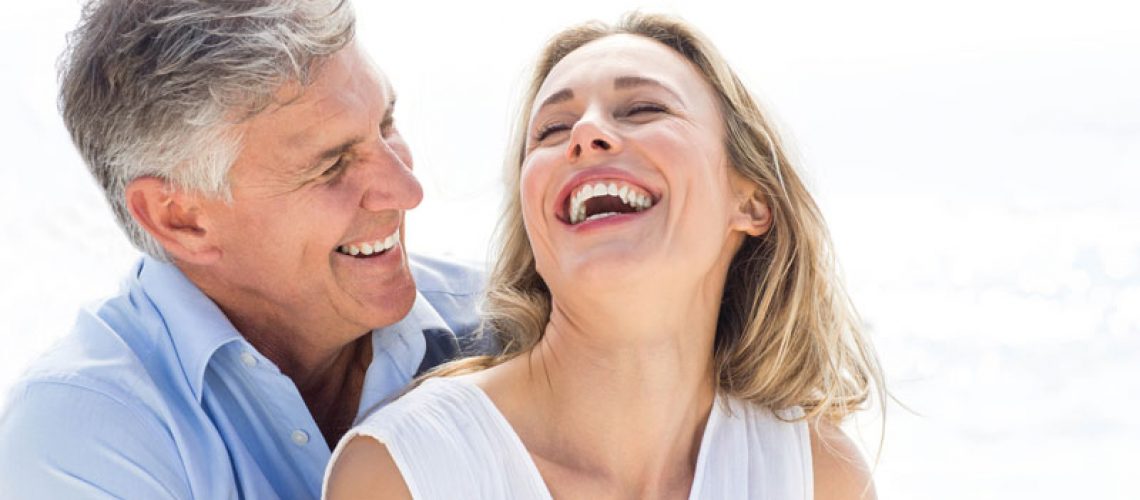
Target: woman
(672, 320)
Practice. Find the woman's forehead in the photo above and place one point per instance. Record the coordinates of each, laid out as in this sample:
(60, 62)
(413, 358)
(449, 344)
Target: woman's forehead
(606, 60)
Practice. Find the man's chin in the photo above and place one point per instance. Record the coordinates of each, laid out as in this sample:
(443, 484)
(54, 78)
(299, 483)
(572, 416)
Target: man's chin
(387, 305)
(382, 289)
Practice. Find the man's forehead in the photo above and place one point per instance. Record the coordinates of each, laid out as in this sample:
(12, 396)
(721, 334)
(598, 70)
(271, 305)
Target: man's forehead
(347, 89)
(348, 79)
(346, 82)
(308, 121)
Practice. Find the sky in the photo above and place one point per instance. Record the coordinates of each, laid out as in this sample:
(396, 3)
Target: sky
(977, 162)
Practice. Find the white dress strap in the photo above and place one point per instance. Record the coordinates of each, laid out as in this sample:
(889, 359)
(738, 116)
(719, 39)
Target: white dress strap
(750, 452)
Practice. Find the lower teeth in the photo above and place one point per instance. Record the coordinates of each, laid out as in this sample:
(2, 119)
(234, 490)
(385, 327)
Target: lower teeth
(602, 215)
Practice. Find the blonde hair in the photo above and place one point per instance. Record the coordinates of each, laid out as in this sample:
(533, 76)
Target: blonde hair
(787, 335)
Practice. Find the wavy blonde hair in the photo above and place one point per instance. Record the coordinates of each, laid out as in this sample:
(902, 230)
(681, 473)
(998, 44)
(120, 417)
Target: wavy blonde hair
(787, 334)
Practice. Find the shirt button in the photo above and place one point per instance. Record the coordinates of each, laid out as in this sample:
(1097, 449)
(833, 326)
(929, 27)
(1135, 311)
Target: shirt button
(300, 437)
(249, 360)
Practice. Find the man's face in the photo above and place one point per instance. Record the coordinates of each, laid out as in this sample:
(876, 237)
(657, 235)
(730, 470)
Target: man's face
(314, 233)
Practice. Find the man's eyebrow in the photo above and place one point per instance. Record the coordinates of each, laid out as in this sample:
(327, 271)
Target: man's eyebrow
(626, 82)
(557, 97)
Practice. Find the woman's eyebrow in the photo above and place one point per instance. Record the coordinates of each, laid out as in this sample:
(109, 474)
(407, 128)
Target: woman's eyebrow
(557, 97)
(625, 82)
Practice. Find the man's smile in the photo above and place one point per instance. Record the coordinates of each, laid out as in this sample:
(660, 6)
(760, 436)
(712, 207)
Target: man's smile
(369, 248)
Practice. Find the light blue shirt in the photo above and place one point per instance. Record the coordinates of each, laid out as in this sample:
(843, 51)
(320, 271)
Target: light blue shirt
(156, 395)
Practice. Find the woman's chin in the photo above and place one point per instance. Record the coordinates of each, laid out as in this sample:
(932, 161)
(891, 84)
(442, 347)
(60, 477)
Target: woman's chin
(612, 275)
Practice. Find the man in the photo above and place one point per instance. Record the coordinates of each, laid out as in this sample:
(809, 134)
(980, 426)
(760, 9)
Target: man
(249, 149)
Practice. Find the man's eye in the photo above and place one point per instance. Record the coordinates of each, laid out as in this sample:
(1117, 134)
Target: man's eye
(335, 168)
(548, 129)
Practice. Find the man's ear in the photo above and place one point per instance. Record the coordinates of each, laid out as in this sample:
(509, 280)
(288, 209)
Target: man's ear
(175, 218)
(751, 214)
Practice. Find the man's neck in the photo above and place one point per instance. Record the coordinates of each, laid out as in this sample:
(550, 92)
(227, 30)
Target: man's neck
(333, 394)
(330, 378)
(325, 357)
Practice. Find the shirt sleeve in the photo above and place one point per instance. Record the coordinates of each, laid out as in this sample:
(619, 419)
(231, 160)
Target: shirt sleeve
(60, 440)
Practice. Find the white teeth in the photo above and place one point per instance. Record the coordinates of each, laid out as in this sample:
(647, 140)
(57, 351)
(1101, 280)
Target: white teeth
(391, 240)
(602, 215)
(371, 247)
(629, 195)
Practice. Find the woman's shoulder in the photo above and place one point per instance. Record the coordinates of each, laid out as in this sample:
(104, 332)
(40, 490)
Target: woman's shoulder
(444, 439)
(364, 468)
(840, 471)
(438, 426)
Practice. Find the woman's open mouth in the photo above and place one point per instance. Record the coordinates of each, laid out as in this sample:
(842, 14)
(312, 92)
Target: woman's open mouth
(604, 198)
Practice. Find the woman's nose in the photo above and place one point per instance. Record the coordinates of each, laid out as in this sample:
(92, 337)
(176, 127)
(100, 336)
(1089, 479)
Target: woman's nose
(590, 137)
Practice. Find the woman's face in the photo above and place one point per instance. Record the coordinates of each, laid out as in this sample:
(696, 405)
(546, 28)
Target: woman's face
(625, 177)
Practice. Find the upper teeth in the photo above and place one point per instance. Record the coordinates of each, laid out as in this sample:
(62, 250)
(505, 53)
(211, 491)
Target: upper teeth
(629, 194)
(371, 247)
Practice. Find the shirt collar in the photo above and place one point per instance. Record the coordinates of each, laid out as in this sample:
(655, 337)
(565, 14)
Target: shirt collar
(397, 351)
(197, 327)
(425, 316)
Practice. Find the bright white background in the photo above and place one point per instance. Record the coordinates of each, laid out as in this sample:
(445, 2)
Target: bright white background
(978, 161)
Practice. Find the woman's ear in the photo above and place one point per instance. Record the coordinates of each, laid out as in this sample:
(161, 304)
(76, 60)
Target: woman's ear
(751, 214)
(173, 217)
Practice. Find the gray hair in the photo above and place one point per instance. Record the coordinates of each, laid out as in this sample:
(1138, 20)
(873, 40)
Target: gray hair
(157, 87)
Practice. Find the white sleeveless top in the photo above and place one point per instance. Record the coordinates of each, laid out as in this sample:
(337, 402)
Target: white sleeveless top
(450, 441)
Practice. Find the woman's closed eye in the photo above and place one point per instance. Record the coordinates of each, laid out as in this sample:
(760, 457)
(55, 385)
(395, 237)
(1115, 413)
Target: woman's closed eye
(550, 128)
(642, 112)
(645, 108)
(638, 110)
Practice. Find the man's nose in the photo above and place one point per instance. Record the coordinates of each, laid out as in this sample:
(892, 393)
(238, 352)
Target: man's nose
(389, 181)
(590, 136)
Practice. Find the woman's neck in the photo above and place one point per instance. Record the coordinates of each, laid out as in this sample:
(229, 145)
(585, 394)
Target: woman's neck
(615, 400)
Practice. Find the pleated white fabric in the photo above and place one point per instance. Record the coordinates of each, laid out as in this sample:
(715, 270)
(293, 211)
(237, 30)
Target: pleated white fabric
(450, 441)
